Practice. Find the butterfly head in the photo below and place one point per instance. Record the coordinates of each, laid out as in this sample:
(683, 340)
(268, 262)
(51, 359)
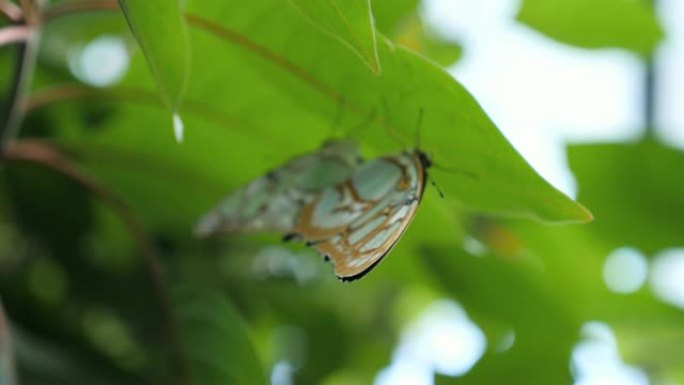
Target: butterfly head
(425, 159)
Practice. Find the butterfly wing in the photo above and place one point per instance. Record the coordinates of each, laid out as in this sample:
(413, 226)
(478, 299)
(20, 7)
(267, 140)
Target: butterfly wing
(357, 223)
(273, 201)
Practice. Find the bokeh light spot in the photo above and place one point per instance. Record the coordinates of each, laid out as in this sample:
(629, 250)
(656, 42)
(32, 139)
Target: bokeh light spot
(443, 340)
(277, 261)
(506, 342)
(102, 62)
(282, 373)
(667, 277)
(625, 270)
(596, 359)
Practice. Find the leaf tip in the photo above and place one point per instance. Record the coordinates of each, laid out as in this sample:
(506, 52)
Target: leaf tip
(586, 215)
(373, 63)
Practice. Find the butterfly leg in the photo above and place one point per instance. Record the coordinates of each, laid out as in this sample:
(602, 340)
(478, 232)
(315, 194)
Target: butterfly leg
(290, 237)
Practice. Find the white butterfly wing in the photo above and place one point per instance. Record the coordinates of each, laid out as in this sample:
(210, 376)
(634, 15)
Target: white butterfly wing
(273, 201)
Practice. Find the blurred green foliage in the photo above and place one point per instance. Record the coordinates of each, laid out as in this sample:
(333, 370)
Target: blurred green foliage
(80, 232)
(627, 24)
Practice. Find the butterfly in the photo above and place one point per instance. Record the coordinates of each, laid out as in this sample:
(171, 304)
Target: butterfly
(352, 212)
(355, 224)
(273, 201)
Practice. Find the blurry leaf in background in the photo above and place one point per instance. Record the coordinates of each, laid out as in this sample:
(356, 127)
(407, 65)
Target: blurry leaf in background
(215, 340)
(573, 260)
(504, 295)
(44, 362)
(635, 192)
(628, 24)
(350, 21)
(389, 14)
(61, 219)
(401, 21)
(160, 29)
(416, 36)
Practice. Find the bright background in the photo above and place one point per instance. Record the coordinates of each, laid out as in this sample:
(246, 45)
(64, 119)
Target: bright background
(543, 95)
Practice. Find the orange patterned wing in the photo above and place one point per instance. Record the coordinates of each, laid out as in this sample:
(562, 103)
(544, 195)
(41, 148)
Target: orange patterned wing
(355, 224)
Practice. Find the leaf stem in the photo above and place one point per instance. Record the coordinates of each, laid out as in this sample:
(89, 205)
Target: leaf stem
(15, 34)
(70, 91)
(26, 53)
(650, 97)
(10, 11)
(650, 105)
(75, 6)
(7, 365)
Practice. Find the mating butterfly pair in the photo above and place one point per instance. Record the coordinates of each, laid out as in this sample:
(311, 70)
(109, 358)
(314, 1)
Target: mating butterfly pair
(353, 212)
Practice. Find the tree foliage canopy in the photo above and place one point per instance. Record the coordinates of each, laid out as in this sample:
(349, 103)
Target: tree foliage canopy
(103, 281)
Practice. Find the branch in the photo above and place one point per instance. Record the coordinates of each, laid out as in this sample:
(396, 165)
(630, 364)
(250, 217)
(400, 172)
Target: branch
(21, 80)
(77, 91)
(650, 93)
(14, 34)
(43, 154)
(10, 11)
(7, 368)
(76, 6)
(30, 11)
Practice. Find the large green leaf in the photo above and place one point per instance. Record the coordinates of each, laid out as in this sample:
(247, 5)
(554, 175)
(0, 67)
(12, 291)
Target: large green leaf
(215, 340)
(160, 29)
(627, 24)
(486, 172)
(350, 21)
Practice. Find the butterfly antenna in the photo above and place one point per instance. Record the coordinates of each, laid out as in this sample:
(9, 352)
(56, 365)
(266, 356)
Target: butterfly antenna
(454, 170)
(439, 191)
(367, 121)
(387, 123)
(338, 118)
(419, 124)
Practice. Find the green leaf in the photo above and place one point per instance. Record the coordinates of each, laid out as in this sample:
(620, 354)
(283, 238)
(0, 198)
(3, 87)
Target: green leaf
(477, 168)
(215, 340)
(627, 24)
(160, 29)
(350, 21)
(475, 165)
(635, 191)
